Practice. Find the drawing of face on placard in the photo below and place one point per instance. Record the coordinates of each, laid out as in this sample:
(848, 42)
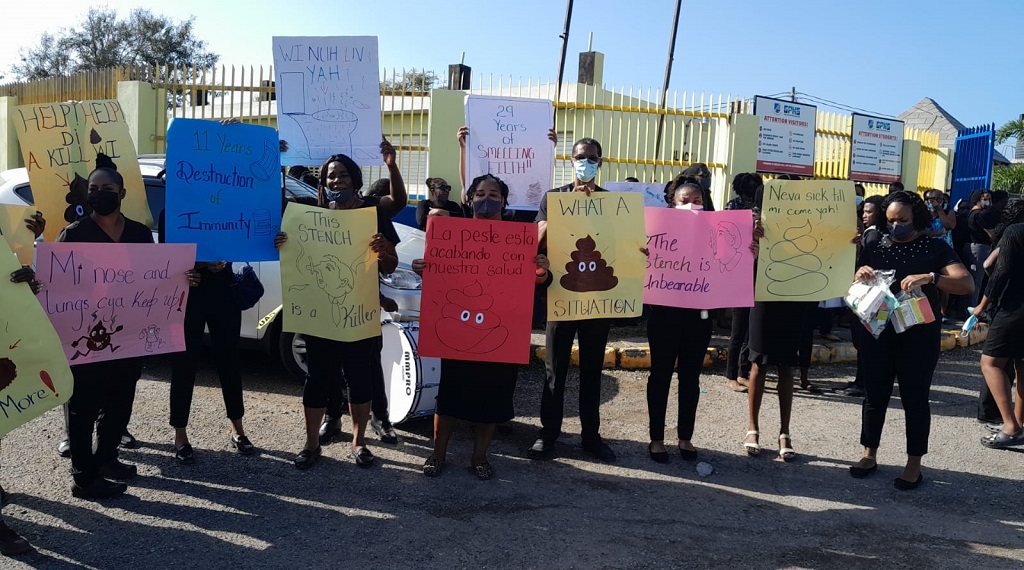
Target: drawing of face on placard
(725, 246)
(467, 324)
(332, 276)
(588, 271)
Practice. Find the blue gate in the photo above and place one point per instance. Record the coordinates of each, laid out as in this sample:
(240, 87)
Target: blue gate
(972, 161)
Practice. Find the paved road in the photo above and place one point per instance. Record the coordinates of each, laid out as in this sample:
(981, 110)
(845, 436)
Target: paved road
(229, 511)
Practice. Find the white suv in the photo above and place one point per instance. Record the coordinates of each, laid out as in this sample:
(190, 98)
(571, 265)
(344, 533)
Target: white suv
(261, 325)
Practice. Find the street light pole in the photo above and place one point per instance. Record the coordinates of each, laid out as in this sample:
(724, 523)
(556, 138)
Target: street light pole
(668, 76)
(565, 46)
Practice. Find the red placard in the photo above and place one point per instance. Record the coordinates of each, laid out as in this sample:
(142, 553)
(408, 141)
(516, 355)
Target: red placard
(478, 287)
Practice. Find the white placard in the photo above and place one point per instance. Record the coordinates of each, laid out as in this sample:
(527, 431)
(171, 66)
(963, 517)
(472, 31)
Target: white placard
(876, 149)
(328, 98)
(785, 139)
(653, 193)
(508, 137)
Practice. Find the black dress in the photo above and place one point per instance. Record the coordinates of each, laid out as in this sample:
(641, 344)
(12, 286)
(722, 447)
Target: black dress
(478, 392)
(1006, 293)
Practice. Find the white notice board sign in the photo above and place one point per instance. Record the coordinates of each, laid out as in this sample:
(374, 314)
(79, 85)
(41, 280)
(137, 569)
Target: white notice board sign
(785, 139)
(876, 150)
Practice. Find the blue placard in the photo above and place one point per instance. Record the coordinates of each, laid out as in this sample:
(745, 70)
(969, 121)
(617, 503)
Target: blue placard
(223, 189)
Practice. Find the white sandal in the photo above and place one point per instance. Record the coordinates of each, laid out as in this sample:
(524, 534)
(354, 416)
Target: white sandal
(752, 448)
(786, 453)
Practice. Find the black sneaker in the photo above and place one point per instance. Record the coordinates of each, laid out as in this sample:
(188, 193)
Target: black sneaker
(117, 471)
(600, 450)
(64, 449)
(542, 449)
(12, 543)
(330, 430)
(384, 430)
(100, 488)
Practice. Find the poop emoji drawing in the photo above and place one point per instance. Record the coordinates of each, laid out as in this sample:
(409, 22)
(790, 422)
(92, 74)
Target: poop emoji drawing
(8, 372)
(587, 271)
(99, 338)
(467, 325)
(795, 268)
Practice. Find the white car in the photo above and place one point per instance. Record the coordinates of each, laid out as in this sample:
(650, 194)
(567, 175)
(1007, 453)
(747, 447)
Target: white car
(261, 325)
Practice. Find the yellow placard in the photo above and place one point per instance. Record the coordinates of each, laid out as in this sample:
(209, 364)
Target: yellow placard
(329, 282)
(806, 253)
(59, 143)
(16, 233)
(594, 245)
(34, 373)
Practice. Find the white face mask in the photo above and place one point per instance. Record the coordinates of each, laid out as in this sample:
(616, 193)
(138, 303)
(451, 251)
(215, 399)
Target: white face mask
(689, 206)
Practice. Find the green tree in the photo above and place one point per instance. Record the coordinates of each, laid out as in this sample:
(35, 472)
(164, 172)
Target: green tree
(104, 41)
(1009, 178)
(412, 80)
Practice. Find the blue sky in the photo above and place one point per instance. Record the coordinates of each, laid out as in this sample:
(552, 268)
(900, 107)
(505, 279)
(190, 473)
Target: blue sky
(879, 56)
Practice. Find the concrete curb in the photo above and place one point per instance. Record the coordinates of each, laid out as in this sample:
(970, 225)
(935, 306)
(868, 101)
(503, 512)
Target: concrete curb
(639, 357)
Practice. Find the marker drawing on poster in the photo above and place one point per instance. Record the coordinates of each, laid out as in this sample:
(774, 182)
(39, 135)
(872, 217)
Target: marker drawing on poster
(478, 287)
(329, 280)
(34, 374)
(328, 98)
(807, 253)
(117, 300)
(594, 247)
(699, 260)
(223, 189)
(59, 143)
(508, 137)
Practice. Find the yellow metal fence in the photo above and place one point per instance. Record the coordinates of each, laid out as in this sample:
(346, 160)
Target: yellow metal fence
(625, 120)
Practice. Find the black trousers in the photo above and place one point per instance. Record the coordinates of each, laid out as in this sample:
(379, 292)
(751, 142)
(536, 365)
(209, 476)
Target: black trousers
(593, 338)
(103, 397)
(379, 405)
(736, 364)
(675, 334)
(858, 333)
(909, 358)
(209, 304)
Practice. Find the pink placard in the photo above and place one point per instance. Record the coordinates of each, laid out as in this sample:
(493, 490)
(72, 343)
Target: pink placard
(699, 260)
(110, 301)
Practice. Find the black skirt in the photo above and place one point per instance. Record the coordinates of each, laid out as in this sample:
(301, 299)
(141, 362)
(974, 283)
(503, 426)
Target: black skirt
(478, 392)
(775, 329)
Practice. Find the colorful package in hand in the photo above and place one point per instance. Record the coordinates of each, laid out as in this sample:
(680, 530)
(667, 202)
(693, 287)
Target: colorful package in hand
(872, 302)
(914, 309)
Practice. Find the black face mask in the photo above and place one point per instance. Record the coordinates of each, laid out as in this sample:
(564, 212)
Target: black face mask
(103, 203)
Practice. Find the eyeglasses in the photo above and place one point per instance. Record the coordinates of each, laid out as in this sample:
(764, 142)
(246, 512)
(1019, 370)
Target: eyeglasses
(592, 159)
(442, 188)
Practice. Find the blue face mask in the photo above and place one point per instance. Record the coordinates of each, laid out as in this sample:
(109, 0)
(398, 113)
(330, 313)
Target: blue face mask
(859, 200)
(901, 232)
(341, 196)
(585, 170)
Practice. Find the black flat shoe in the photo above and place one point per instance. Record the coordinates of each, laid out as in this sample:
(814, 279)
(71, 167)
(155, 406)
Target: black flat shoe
(243, 445)
(117, 471)
(384, 430)
(128, 441)
(100, 488)
(657, 456)
(185, 455)
(307, 458)
(330, 430)
(904, 485)
(64, 449)
(858, 472)
(688, 454)
(542, 449)
(600, 451)
(363, 457)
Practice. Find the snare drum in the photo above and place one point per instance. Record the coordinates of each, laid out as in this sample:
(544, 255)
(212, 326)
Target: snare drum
(411, 382)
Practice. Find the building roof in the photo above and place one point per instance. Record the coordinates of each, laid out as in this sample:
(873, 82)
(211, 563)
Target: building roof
(929, 115)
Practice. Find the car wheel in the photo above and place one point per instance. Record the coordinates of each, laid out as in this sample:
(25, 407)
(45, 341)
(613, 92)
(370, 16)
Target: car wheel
(291, 349)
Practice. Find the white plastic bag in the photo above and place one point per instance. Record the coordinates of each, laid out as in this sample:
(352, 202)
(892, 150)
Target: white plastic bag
(872, 302)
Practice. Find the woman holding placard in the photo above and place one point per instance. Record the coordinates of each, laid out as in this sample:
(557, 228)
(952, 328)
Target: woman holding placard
(340, 180)
(107, 387)
(474, 391)
(921, 264)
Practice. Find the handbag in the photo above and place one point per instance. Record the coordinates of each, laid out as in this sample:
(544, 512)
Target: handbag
(246, 289)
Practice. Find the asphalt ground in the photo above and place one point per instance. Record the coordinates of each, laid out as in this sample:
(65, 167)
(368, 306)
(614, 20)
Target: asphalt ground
(230, 511)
